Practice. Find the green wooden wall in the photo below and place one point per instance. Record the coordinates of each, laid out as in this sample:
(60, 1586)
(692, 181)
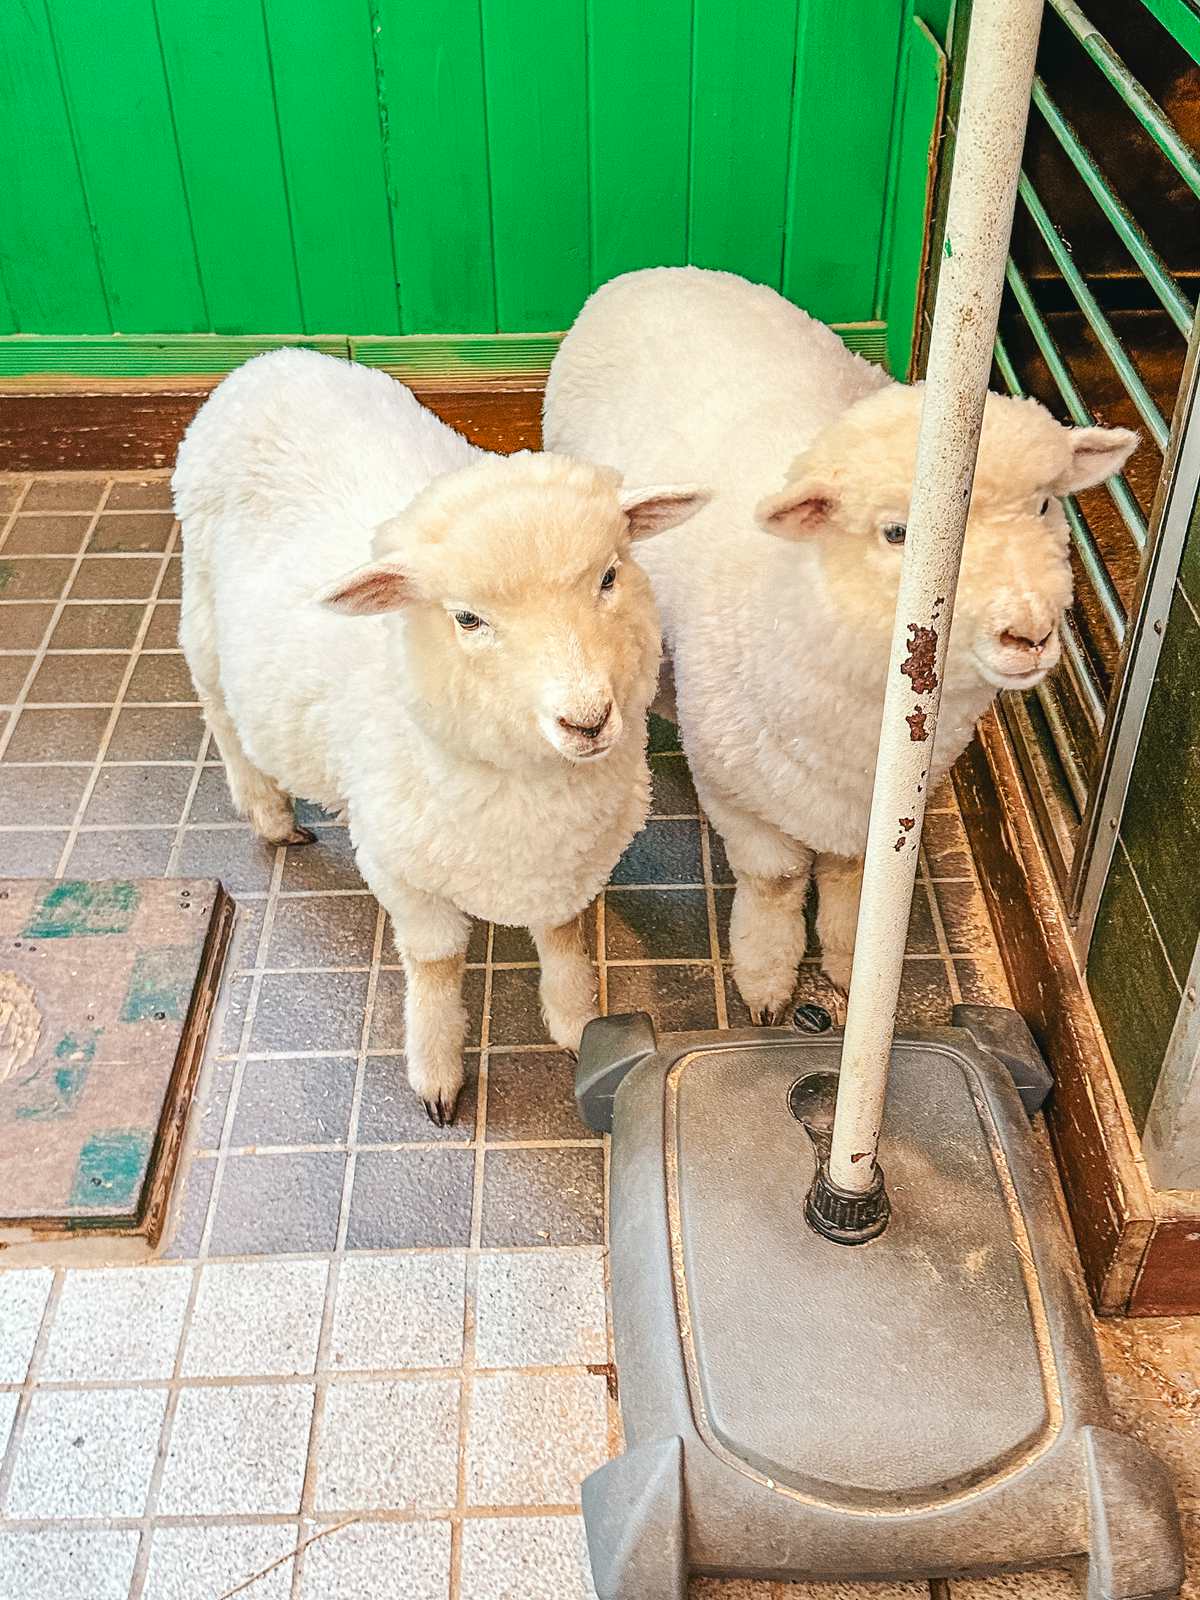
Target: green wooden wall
(431, 166)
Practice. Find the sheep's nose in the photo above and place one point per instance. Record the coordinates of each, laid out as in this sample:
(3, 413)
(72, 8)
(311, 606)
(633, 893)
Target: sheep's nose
(589, 732)
(1019, 641)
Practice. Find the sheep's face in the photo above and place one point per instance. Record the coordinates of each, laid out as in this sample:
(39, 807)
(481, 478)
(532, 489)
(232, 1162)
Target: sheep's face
(526, 627)
(850, 493)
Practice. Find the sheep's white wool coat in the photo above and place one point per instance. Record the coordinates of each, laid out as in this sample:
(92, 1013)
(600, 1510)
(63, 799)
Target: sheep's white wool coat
(281, 481)
(680, 373)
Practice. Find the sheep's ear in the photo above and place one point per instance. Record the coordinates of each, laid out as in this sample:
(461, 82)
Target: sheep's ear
(652, 511)
(367, 591)
(1096, 453)
(798, 509)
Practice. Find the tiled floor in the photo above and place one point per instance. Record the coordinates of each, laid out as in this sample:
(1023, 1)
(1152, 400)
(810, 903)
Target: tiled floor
(375, 1359)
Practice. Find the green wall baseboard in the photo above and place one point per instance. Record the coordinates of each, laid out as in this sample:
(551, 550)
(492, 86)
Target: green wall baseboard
(479, 359)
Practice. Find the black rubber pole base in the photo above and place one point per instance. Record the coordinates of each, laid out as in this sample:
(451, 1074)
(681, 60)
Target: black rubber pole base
(843, 1217)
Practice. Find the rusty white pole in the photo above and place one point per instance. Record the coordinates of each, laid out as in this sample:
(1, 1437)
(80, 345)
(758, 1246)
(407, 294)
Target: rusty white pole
(991, 132)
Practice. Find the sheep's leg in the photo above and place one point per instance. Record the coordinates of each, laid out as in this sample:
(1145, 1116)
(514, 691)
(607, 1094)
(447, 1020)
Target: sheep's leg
(766, 928)
(839, 880)
(431, 938)
(568, 987)
(255, 796)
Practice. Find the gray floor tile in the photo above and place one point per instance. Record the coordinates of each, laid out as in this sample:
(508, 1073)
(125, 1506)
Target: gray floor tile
(944, 840)
(212, 801)
(275, 1308)
(23, 1296)
(156, 733)
(676, 997)
(236, 1450)
(116, 578)
(516, 1015)
(13, 672)
(294, 1102)
(925, 996)
(390, 1113)
(63, 492)
(150, 794)
(30, 855)
(543, 1197)
(982, 982)
(202, 1563)
(25, 579)
(24, 626)
(388, 1445)
(55, 1562)
(641, 924)
(55, 735)
(113, 852)
(531, 1095)
(310, 1011)
(86, 1453)
(117, 1326)
(664, 852)
(139, 494)
(185, 1226)
(172, 584)
(212, 1102)
(161, 676)
(537, 1558)
(514, 1458)
(410, 1199)
(324, 931)
(78, 679)
(269, 1205)
(116, 531)
(399, 1311)
(100, 627)
(163, 632)
(46, 533)
(235, 855)
(46, 795)
(542, 1308)
(326, 864)
(673, 794)
(387, 1561)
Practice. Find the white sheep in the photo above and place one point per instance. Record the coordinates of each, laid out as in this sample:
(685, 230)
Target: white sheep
(380, 616)
(779, 645)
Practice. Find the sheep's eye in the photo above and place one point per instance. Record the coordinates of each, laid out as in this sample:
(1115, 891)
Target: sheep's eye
(1044, 507)
(468, 621)
(607, 581)
(894, 532)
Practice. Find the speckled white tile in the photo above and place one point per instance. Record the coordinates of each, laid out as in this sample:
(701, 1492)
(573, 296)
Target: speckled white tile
(526, 1558)
(387, 1561)
(56, 1562)
(388, 1446)
(1152, 1365)
(1049, 1584)
(256, 1319)
(201, 1563)
(23, 1296)
(541, 1309)
(86, 1453)
(8, 1410)
(729, 1589)
(399, 1311)
(237, 1449)
(117, 1324)
(533, 1438)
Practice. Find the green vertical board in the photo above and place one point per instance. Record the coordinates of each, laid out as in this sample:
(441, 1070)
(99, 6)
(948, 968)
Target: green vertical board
(923, 89)
(535, 71)
(127, 152)
(639, 101)
(742, 66)
(430, 66)
(47, 252)
(329, 126)
(845, 82)
(220, 83)
(8, 322)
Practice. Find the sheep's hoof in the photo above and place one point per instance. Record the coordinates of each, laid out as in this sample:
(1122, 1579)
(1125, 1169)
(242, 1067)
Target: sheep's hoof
(441, 1111)
(298, 835)
(768, 1016)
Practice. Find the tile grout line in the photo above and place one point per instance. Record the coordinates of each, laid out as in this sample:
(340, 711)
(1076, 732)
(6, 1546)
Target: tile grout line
(39, 655)
(308, 1488)
(939, 929)
(10, 522)
(118, 699)
(467, 1368)
(714, 937)
(602, 952)
(8, 1462)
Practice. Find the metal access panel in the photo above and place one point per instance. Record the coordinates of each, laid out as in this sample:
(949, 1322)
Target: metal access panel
(928, 1404)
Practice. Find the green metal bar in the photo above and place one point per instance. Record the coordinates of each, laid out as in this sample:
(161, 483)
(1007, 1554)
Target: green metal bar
(1081, 535)
(1146, 109)
(1180, 20)
(1061, 739)
(1122, 495)
(1176, 304)
(1099, 323)
(1080, 674)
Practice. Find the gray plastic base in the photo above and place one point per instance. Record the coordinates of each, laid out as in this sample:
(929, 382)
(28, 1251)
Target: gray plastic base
(928, 1404)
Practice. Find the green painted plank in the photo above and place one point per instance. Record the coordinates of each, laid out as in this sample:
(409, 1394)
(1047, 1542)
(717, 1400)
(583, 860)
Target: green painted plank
(846, 65)
(127, 152)
(324, 70)
(639, 100)
(453, 357)
(47, 252)
(220, 83)
(8, 321)
(430, 69)
(742, 66)
(923, 77)
(535, 73)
